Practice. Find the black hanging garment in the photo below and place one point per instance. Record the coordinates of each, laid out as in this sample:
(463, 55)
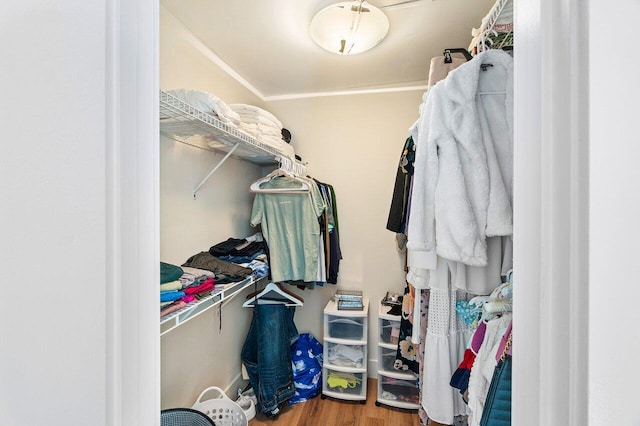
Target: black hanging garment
(397, 220)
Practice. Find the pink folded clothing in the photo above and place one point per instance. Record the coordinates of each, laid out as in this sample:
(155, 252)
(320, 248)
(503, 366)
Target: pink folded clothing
(207, 285)
(188, 298)
(175, 306)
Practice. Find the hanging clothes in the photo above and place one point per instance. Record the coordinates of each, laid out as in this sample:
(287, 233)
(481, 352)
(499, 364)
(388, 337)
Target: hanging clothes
(461, 194)
(422, 331)
(407, 352)
(482, 280)
(266, 354)
(399, 210)
(464, 163)
(330, 233)
(445, 343)
(439, 69)
(290, 227)
(483, 366)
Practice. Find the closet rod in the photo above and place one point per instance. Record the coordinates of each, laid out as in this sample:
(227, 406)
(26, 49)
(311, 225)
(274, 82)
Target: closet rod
(195, 191)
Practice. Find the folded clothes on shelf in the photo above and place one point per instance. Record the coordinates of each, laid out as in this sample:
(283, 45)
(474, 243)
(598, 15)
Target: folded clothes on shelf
(169, 272)
(346, 356)
(194, 276)
(205, 260)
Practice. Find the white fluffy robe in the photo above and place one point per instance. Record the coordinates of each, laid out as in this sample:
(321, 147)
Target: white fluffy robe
(464, 164)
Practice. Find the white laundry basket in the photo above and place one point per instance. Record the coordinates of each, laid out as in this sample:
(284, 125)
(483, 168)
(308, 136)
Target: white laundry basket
(222, 410)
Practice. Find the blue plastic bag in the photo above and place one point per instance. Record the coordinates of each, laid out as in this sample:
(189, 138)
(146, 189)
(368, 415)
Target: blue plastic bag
(306, 357)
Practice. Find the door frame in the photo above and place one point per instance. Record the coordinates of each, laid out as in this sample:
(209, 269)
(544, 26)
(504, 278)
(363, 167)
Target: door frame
(551, 213)
(132, 213)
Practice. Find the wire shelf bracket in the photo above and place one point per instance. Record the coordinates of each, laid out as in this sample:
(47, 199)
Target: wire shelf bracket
(216, 167)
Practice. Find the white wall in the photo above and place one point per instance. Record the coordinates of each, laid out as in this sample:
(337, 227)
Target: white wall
(52, 222)
(200, 353)
(614, 215)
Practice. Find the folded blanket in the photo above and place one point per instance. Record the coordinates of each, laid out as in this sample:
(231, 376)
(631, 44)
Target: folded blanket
(208, 285)
(260, 129)
(286, 149)
(280, 145)
(169, 272)
(176, 306)
(167, 296)
(188, 298)
(173, 285)
(259, 119)
(193, 276)
(253, 110)
(204, 260)
(209, 103)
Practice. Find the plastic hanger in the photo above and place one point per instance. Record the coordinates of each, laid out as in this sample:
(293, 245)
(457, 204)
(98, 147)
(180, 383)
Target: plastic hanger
(501, 299)
(273, 293)
(447, 54)
(498, 307)
(255, 186)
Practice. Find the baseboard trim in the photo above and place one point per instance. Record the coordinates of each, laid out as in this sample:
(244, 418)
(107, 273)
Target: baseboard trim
(236, 383)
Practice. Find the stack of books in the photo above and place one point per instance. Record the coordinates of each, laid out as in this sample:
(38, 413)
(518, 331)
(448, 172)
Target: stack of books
(349, 300)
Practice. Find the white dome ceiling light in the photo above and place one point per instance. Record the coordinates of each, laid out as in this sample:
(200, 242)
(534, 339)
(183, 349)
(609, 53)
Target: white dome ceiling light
(348, 28)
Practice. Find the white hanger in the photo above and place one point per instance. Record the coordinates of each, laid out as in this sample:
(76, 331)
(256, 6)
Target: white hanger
(273, 293)
(497, 303)
(498, 306)
(303, 188)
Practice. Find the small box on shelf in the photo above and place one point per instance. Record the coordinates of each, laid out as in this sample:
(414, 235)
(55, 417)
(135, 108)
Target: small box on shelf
(349, 300)
(350, 305)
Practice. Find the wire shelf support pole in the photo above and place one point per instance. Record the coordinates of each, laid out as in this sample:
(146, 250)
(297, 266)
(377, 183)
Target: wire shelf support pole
(217, 166)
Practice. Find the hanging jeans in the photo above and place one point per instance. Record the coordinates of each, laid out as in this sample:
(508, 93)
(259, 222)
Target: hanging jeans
(266, 354)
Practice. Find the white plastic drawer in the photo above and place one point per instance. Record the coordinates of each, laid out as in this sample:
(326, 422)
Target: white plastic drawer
(389, 331)
(351, 328)
(396, 390)
(349, 385)
(341, 355)
(386, 359)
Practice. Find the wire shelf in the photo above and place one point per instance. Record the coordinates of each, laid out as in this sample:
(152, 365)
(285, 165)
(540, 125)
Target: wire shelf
(193, 309)
(184, 123)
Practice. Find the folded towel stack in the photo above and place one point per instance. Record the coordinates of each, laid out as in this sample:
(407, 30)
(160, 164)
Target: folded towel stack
(262, 125)
(209, 103)
(254, 114)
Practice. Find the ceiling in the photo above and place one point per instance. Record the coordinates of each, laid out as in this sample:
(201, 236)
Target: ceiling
(267, 42)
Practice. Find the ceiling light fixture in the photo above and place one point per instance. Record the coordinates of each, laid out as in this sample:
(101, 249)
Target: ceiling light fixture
(350, 27)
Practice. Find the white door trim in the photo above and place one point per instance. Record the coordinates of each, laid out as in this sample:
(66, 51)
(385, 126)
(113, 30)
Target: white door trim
(132, 212)
(551, 211)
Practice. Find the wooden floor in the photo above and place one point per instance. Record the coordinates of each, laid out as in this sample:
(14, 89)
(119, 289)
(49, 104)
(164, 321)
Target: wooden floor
(330, 412)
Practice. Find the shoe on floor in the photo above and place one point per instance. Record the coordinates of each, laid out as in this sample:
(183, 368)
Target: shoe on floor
(249, 393)
(247, 406)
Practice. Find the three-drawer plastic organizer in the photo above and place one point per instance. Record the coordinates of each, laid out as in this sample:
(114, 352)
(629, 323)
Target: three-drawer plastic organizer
(345, 353)
(395, 388)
